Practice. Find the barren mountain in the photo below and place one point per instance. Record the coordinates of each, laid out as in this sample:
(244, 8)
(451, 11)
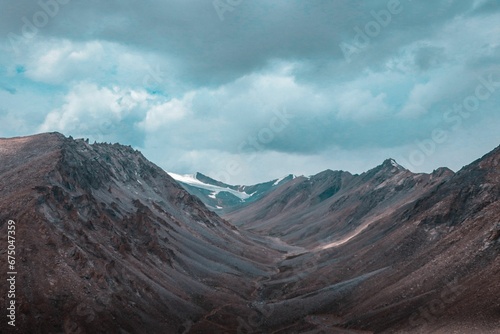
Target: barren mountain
(314, 210)
(387, 251)
(107, 242)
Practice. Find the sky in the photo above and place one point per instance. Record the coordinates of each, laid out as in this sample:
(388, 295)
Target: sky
(248, 91)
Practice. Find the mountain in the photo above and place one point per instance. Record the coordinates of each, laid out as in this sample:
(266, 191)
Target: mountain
(223, 198)
(107, 242)
(387, 251)
(314, 210)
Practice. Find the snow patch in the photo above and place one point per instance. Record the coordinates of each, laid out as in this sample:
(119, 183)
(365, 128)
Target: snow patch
(193, 181)
(279, 180)
(395, 164)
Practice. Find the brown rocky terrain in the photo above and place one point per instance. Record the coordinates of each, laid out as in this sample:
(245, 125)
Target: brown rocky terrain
(107, 242)
(387, 251)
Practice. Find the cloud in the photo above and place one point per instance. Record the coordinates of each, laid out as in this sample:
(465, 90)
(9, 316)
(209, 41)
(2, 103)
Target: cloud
(63, 61)
(429, 57)
(485, 7)
(362, 105)
(8, 89)
(269, 81)
(101, 113)
(167, 113)
(209, 51)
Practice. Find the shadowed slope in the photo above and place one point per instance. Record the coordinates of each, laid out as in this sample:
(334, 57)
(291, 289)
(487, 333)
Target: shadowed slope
(107, 241)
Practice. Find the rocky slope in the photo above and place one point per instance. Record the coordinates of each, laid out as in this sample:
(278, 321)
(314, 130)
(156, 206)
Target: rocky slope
(107, 242)
(387, 251)
(329, 206)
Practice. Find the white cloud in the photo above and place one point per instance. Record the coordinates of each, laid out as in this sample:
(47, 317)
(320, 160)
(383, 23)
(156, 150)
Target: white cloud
(422, 97)
(87, 108)
(63, 62)
(165, 114)
(362, 105)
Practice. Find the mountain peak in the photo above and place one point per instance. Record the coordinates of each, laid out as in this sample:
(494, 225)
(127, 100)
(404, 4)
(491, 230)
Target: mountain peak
(391, 163)
(208, 180)
(388, 167)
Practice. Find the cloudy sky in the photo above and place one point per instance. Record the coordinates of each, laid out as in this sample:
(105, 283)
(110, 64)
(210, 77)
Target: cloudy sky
(250, 90)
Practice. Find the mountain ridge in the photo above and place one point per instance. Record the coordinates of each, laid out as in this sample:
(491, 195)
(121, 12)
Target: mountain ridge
(221, 197)
(97, 210)
(227, 203)
(122, 247)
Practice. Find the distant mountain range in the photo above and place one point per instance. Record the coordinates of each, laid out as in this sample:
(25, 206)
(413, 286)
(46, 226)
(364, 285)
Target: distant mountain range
(221, 197)
(107, 242)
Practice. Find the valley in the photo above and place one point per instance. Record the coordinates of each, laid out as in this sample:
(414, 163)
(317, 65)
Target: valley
(110, 243)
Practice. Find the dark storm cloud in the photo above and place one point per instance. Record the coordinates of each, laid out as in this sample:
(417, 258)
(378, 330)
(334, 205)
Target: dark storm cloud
(211, 51)
(187, 80)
